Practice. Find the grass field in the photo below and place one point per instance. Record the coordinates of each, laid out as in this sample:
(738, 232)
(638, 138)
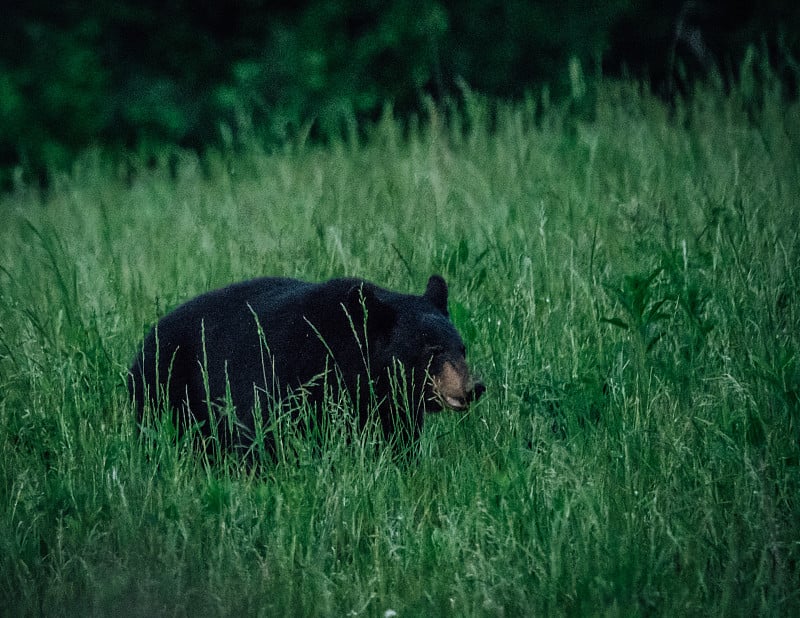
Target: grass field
(627, 280)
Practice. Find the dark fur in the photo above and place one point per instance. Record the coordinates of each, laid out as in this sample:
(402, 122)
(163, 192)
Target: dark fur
(260, 341)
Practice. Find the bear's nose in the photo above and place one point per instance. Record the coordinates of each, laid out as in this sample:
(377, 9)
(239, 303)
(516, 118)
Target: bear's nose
(478, 389)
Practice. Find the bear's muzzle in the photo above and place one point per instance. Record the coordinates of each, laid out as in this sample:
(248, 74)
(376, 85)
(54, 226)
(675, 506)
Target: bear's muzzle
(454, 387)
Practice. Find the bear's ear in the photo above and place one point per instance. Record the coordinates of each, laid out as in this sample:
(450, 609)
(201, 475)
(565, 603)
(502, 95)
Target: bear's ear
(436, 293)
(361, 298)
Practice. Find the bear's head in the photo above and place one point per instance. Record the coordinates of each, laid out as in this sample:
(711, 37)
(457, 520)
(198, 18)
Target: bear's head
(416, 332)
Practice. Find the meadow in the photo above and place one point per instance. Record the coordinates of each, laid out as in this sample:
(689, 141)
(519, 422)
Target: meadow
(626, 276)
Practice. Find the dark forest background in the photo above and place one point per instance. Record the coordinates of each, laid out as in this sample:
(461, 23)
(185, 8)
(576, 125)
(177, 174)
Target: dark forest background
(143, 76)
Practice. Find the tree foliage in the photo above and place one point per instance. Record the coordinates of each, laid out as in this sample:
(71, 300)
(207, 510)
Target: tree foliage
(146, 74)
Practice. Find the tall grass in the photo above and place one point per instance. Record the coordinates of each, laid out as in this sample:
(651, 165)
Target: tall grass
(626, 276)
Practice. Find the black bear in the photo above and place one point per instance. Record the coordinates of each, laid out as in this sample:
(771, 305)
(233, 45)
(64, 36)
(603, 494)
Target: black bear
(251, 346)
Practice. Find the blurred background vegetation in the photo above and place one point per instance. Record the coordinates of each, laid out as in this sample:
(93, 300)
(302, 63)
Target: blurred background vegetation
(145, 77)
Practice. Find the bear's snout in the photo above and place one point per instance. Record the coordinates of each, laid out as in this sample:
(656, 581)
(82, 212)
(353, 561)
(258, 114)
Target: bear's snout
(455, 388)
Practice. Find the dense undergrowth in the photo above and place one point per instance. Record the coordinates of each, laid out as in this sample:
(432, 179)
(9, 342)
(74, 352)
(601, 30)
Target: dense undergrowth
(626, 279)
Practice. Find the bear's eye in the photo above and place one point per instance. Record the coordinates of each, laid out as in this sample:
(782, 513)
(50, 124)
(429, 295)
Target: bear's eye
(433, 349)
